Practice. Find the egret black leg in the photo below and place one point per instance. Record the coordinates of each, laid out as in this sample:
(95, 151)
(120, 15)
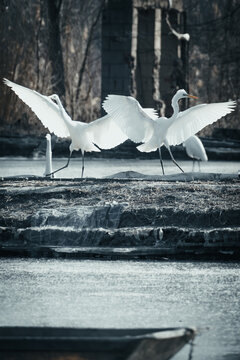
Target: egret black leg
(82, 163)
(61, 167)
(174, 161)
(193, 165)
(199, 165)
(160, 157)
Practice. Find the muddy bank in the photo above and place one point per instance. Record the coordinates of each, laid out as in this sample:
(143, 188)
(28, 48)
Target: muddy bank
(126, 216)
(30, 146)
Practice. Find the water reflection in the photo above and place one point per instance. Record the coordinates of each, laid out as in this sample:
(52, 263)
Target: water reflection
(127, 294)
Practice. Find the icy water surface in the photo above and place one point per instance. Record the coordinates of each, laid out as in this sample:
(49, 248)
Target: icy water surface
(105, 167)
(127, 294)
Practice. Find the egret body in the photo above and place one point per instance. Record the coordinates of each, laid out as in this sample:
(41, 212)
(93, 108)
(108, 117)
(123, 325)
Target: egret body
(195, 150)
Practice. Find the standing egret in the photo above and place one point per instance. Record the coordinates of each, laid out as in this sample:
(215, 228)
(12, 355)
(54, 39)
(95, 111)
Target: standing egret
(153, 133)
(102, 133)
(195, 150)
(48, 166)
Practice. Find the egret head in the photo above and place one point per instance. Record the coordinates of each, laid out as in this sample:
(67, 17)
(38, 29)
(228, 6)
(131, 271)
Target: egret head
(54, 97)
(181, 94)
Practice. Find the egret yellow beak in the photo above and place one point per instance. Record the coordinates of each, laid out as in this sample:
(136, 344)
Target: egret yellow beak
(193, 97)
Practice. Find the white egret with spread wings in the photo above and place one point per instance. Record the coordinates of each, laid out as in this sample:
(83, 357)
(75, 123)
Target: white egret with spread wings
(102, 133)
(156, 132)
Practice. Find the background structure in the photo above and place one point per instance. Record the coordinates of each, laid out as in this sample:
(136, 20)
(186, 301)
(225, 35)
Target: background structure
(84, 50)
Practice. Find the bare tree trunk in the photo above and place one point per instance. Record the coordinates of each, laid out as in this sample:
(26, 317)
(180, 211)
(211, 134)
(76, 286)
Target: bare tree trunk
(55, 48)
(87, 49)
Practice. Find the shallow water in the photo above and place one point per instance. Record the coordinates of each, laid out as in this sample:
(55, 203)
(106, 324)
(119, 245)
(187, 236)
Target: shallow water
(105, 167)
(127, 294)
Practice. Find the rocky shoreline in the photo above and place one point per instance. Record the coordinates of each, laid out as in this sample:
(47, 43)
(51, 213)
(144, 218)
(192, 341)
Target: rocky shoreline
(127, 216)
(33, 146)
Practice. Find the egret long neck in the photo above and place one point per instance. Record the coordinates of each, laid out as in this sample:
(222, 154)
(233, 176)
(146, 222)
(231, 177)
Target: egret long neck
(60, 105)
(175, 107)
(65, 116)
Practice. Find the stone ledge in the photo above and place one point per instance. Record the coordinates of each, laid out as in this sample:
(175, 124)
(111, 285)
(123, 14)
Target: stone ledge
(106, 253)
(185, 219)
(155, 237)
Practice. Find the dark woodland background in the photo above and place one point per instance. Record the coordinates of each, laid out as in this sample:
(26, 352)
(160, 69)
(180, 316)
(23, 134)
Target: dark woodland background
(85, 49)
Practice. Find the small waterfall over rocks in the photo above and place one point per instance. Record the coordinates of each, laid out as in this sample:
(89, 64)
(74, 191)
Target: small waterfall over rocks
(79, 217)
(73, 226)
(84, 226)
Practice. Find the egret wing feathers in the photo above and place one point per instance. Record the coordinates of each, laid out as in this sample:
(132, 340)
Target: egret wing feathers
(192, 120)
(105, 133)
(152, 113)
(45, 109)
(130, 117)
(147, 147)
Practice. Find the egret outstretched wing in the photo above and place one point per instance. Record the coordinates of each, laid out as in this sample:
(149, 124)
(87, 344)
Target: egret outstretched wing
(105, 133)
(192, 120)
(130, 117)
(45, 109)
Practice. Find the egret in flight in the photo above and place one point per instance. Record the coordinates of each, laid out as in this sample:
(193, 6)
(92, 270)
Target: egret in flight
(195, 150)
(155, 132)
(102, 133)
